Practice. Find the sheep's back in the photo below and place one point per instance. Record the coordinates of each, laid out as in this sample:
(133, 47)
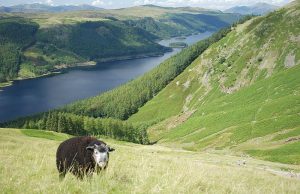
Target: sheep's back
(73, 150)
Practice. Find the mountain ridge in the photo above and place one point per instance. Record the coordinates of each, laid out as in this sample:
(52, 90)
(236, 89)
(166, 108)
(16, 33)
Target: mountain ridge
(256, 9)
(38, 7)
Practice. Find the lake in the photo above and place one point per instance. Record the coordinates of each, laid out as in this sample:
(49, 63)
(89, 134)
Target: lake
(32, 96)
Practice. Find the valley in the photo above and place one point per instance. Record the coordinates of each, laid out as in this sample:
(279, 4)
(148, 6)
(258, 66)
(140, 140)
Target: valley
(219, 116)
(27, 97)
(47, 42)
(212, 96)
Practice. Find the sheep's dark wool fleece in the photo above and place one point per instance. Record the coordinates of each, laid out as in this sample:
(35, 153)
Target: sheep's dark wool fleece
(72, 155)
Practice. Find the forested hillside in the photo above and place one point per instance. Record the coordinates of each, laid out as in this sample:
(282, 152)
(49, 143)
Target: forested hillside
(29, 51)
(82, 125)
(15, 35)
(69, 39)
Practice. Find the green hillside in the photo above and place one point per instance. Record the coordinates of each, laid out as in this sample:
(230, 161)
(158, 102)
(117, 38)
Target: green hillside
(242, 93)
(27, 165)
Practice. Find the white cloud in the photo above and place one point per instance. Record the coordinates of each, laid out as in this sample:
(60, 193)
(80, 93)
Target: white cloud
(97, 2)
(50, 2)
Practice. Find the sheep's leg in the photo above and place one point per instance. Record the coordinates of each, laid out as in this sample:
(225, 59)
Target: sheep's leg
(98, 170)
(62, 176)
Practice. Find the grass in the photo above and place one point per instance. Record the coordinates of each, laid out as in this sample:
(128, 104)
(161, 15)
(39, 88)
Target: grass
(291, 133)
(50, 135)
(5, 84)
(289, 153)
(27, 165)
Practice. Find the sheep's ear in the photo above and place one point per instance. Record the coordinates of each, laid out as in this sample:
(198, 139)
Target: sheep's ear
(110, 149)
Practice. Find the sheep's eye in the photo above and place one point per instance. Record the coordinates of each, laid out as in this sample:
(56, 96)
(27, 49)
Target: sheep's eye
(104, 149)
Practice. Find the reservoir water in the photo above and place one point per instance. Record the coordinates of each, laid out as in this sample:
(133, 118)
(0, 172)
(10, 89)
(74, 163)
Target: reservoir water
(32, 96)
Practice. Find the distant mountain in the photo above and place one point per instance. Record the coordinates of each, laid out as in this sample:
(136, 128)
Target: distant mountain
(37, 7)
(257, 9)
(189, 9)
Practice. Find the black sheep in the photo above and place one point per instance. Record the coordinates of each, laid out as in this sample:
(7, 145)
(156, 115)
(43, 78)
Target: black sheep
(82, 156)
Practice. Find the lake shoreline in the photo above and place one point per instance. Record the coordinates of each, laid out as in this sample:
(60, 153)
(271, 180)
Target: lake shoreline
(60, 69)
(5, 84)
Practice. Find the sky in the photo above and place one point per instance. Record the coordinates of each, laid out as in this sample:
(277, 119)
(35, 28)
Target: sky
(112, 4)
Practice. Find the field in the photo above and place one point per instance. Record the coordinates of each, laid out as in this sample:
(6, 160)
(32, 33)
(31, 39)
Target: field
(27, 165)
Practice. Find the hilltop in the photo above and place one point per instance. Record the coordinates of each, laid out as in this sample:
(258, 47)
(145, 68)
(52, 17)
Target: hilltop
(256, 9)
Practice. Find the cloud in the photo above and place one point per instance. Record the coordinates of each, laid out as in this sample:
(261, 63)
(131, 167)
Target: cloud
(50, 2)
(98, 2)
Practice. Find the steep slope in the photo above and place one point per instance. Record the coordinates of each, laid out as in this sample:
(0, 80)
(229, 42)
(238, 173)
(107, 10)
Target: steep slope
(257, 9)
(243, 89)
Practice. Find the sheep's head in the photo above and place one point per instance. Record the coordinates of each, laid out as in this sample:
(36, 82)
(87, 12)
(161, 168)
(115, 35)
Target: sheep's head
(100, 153)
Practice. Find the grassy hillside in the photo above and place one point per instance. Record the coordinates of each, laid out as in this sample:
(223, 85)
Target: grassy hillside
(241, 93)
(27, 165)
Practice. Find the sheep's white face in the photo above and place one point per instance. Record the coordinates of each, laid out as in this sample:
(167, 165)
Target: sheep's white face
(100, 154)
(101, 158)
